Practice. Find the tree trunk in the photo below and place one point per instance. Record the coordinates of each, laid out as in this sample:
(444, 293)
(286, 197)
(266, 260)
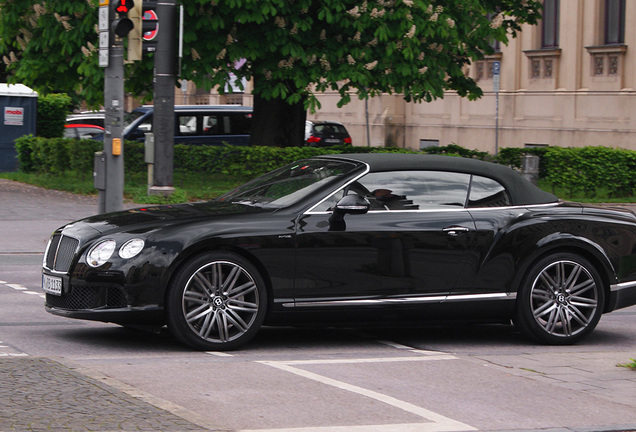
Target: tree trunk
(277, 123)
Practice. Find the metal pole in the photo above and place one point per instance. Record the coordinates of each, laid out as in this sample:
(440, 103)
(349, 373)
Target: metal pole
(163, 116)
(496, 123)
(366, 115)
(112, 197)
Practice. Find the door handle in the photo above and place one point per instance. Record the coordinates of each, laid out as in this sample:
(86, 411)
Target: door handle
(455, 230)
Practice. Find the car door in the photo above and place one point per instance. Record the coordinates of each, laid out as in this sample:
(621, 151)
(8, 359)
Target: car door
(411, 247)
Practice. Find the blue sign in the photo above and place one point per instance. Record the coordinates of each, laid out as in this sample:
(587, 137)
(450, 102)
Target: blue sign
(496, 67)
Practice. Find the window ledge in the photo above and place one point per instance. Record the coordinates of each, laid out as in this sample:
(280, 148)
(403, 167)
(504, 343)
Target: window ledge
(552, 52)
(607, 49)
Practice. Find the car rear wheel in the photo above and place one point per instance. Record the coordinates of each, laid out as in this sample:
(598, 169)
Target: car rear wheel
(217, 302)
(561, 300)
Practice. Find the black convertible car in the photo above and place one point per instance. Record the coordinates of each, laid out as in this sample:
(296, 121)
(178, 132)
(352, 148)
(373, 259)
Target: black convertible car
(350, 238)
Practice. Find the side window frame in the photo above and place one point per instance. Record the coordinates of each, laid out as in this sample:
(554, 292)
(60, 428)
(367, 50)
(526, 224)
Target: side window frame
(499, 199)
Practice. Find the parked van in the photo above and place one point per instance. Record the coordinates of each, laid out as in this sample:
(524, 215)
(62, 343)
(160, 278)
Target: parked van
(196, 124)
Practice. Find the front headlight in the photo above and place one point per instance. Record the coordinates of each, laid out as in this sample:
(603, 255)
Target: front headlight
(131, 248)
(100, 253)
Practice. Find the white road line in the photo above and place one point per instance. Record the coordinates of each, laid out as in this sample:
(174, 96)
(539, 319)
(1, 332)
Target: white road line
(17, 287)
(408, 348)
(219, 354)
(434, 422)
(367, 360)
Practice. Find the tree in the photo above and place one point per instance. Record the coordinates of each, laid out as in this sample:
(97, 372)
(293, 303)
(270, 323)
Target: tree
(294, 50)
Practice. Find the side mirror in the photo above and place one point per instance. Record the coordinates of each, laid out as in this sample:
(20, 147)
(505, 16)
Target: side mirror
(352, 204)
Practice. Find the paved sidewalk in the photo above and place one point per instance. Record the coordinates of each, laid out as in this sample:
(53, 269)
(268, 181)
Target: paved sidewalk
(39, 394)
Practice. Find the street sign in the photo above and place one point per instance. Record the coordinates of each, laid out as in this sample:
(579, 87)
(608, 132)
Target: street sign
(103, 34)
(496, 69)
(151, 15)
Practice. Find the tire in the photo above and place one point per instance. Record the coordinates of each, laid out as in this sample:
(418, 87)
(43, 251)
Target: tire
(561, 300)
(217, 302)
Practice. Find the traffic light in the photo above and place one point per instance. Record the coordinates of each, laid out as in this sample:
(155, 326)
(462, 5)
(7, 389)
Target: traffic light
(134, 37)
(122, 25)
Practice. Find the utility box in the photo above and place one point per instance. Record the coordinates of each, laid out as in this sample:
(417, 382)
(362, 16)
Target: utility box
(99, 171)
(530, 168)
(18, 105)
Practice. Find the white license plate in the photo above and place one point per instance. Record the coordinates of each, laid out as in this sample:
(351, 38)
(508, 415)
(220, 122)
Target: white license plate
(331, 140)
(52, 284)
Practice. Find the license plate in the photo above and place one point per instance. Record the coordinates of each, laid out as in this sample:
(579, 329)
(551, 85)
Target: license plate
(52, 284)
(332, 140)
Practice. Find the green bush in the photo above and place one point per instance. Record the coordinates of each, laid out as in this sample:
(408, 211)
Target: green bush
(588, 168)
(576, 170)
(52, 112)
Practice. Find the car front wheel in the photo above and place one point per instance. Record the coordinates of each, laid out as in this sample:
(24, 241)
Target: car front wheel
(561, 300)
(217, 302)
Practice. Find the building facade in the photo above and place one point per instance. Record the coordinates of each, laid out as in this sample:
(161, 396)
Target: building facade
(569, 81)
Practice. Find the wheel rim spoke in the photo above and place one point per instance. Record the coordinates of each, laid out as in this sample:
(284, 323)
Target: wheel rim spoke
(220, 301)
(564, 298)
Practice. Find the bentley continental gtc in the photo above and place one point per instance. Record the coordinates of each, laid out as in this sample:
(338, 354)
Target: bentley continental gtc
(350, 239)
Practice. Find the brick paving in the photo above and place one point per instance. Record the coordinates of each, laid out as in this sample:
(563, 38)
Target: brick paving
(39, 394)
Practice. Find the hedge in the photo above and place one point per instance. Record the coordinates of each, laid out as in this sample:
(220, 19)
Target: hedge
(52, 112)
(575, 169)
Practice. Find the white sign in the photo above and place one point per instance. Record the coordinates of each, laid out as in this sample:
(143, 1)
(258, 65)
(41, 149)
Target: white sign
(14, 116)
(103, 58)
(103, 18)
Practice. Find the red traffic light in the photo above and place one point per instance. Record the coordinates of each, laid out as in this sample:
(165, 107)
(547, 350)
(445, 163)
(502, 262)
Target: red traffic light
(124, 6)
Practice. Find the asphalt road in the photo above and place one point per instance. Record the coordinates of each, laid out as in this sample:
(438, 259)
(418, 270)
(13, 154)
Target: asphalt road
(59, 374)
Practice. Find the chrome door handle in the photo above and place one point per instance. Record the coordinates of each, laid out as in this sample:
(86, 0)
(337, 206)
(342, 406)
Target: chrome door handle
(455, 230)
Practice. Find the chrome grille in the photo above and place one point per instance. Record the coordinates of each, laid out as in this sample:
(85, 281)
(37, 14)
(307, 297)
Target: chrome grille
(60, 252)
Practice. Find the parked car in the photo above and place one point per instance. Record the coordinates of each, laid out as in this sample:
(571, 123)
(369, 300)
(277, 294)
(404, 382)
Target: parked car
(83, 131)
(196, 124)
(350, 238)
(326, 133)
(87, 117)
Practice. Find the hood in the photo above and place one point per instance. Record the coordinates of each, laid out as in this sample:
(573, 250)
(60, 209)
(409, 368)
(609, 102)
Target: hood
(145, 219)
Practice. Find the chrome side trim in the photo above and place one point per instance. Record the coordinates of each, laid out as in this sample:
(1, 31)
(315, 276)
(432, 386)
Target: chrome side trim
(402, 300)
(622, 286)
(481, 297)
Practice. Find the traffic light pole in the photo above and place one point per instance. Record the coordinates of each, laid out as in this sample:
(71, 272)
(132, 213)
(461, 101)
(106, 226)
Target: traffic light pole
(163, 116)
(111, 198)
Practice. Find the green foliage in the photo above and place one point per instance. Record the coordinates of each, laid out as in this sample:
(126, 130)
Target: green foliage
(585, 169)
(512, 157)
(52, 47)
(631, 365)
(455, 150)
(292, 49)
(52, 112)
(55, 155)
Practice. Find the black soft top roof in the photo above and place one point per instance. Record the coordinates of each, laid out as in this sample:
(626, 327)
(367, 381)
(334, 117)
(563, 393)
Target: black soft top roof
(522, 192)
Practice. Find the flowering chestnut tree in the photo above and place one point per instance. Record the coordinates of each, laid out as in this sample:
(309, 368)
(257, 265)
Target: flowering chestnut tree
(291, 50)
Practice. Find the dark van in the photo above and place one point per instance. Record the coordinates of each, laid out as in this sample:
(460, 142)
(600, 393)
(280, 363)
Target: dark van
(196, 124)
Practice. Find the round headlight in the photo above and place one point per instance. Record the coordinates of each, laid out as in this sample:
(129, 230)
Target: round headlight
(100, 253)
(131, 248)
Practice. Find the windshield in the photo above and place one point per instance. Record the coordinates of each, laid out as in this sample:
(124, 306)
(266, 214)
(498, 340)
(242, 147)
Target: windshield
(288, 184)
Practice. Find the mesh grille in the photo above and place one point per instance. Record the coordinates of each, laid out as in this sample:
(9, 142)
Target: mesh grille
(60, 253)
(82, 297)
